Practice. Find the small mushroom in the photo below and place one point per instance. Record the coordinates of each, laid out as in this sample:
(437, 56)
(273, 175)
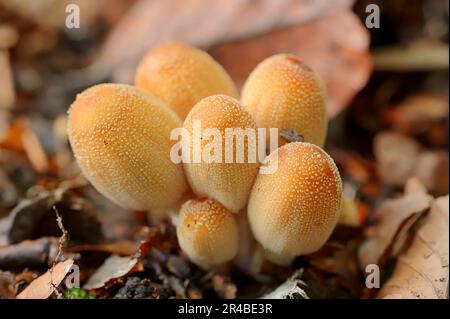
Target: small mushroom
(120, 136)
(182, 75)
(283, 92)
(207, 232)
(294, 210)
(227, 179)
(8, 38)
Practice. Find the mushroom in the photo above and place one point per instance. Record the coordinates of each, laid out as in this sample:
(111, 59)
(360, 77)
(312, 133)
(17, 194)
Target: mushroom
(229, 174)
(182, 75)
(294, 210)
(207, 232)
(282, 92)
(8, 38)
(120, 136)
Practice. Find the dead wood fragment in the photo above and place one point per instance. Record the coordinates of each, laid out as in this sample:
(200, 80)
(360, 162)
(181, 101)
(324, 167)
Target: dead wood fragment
(34, 218)
(29, 254)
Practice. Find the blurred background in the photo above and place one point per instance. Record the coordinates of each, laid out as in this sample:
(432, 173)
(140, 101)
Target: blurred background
(394, 77)
(387, 84)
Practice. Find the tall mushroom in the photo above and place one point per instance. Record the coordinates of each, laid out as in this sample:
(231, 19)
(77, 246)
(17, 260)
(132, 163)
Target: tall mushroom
(182, 75)
(229, 173)
(293, 211)
(120, 136)
(283, 92)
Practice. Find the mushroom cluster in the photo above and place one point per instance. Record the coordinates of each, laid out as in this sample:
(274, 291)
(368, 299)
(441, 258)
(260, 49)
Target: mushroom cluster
(121, 136)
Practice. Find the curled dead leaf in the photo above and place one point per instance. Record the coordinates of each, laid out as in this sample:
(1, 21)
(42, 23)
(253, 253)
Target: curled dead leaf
(393, 221)
(114, 267)
(422, 270)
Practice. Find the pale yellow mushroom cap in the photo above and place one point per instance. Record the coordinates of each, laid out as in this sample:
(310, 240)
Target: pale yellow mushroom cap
(207, 232)
(120, 138)
(229, 183)
(283, 92)
(294, 211)
(182, 75)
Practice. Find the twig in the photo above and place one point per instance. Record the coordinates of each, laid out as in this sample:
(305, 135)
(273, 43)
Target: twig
(63, 240)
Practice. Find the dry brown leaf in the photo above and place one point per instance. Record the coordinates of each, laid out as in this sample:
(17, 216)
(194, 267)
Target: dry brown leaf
(400, 157)
(422, 270)
(335, 45)
(418, 113)
(201, 23)
(396, 155)
(21, 137)
(393, 221)
(43, 286)
(114, 267)
(432, 169)
(340, 260)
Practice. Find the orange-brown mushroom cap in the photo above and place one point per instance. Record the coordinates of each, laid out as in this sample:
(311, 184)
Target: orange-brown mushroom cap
(120, 136)
(293, 211)
(182, 75)
(229, 183)
(283, 92)
(207, 232)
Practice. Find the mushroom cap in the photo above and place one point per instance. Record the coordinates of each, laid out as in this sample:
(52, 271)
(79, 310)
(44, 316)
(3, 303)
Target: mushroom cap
(120, 136)
(294, 210)
(182, 75)
(228, 183)
(283, 92)
(207, 232)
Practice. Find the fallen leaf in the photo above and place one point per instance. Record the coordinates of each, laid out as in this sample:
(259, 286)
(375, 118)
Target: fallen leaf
(335, 45)
(7, 285)
(113, 268)
(22, 138)
(200, 23)
(393, 220)
(418, 113)
(400, 157)
(43, 286)
(432, 169)
(422, 270)
(396, 155)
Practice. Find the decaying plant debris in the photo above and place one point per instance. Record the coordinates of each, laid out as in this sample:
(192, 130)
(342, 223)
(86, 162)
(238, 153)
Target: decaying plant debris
(388, 137)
